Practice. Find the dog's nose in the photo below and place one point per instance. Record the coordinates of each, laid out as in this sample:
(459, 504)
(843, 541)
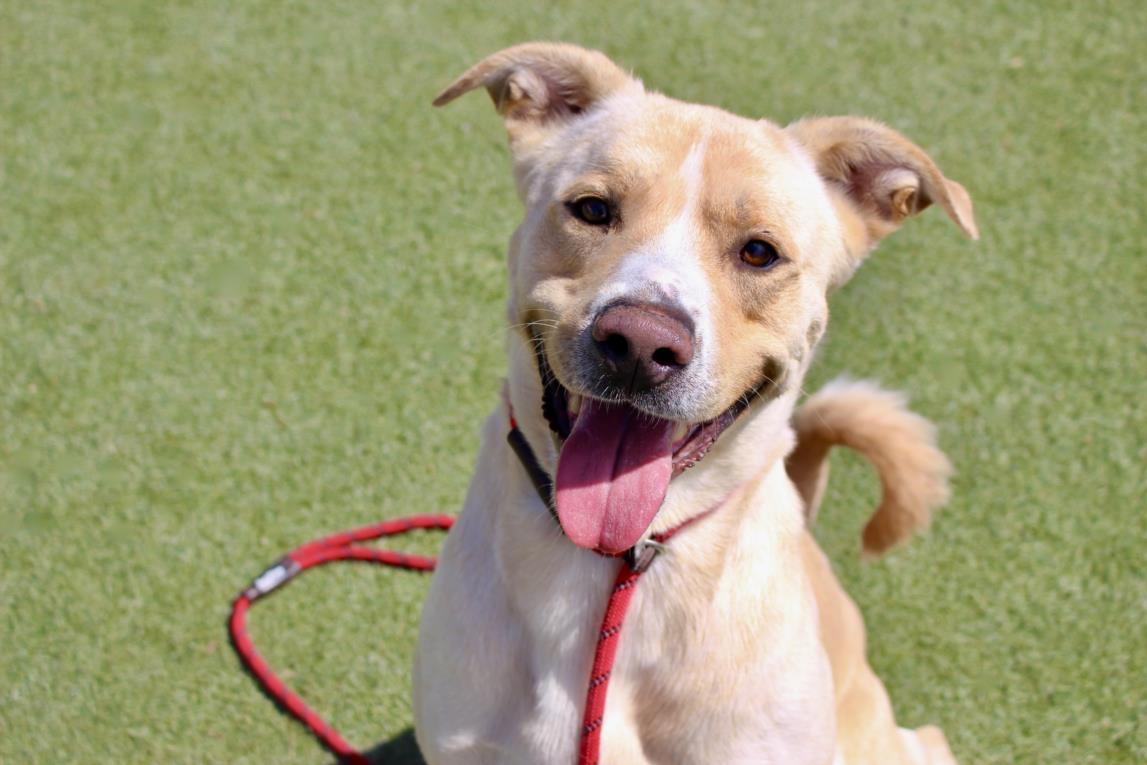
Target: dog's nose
(642, 346)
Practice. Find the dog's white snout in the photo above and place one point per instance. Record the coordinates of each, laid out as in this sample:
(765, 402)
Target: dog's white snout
(659, 285)
(657, 278)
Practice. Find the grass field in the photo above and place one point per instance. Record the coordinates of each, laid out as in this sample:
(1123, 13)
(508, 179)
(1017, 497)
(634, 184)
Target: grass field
(251, 291)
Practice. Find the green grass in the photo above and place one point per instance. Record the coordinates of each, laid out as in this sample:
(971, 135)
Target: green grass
(251, 291)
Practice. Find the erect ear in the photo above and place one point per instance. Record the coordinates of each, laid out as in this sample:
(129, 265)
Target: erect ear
(881, 177)
(541, 84)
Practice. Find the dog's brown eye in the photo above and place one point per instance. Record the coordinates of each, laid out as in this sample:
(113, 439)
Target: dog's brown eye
(760, 254)
(593, 210)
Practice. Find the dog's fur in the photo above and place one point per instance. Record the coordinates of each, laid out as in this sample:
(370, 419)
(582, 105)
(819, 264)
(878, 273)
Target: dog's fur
(740, 645)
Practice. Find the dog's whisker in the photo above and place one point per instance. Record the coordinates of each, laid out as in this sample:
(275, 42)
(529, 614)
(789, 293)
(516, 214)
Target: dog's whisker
(529, 325)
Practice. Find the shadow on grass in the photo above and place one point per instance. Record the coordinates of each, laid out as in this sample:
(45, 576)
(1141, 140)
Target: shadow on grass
(400, 750)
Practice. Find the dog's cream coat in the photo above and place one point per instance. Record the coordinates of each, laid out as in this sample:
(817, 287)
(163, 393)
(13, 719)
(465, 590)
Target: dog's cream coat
(740, 646)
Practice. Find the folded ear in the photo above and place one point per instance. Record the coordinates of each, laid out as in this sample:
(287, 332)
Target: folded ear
(882, 176)
(541, 84)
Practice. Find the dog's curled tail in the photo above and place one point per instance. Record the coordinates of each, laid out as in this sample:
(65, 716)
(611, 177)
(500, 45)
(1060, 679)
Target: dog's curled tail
(899, 443)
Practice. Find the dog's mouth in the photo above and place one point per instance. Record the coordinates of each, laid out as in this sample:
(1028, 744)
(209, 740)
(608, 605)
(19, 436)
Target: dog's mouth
(616, 461)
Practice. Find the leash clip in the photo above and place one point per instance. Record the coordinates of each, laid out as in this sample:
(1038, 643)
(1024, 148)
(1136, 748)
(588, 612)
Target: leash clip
(642, 554)
(274, 577)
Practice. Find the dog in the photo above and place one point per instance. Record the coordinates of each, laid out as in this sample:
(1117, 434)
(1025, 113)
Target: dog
(668, 288)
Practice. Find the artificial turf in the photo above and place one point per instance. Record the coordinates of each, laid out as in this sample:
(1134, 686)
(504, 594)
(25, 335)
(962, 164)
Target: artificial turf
(251, 291)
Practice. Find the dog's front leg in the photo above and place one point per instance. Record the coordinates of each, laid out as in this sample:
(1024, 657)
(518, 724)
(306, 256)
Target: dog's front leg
(470, 683)
(465, 672)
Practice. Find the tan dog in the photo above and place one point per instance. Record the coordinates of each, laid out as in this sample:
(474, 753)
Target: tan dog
(668, 287)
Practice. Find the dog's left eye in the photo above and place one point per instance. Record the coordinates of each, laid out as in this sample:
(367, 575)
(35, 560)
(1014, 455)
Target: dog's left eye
(592, 210)
(760, 254)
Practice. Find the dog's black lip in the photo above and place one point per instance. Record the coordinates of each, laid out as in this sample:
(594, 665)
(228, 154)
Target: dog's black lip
(697, 443)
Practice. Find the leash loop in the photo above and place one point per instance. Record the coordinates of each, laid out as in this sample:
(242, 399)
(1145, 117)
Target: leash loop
(346, 546)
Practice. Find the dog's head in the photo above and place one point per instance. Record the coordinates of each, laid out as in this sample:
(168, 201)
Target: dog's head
(673, 267)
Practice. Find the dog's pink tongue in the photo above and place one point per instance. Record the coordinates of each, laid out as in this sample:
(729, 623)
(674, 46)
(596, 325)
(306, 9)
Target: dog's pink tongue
(613, 473)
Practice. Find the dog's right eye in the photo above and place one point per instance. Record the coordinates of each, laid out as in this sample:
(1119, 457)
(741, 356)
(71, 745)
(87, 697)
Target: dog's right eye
(592, 210)
(760, 254)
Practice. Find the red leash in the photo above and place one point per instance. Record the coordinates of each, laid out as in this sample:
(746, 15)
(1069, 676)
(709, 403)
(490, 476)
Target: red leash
(603, 656)
(344, 546)
(610, 634)
(339, 547)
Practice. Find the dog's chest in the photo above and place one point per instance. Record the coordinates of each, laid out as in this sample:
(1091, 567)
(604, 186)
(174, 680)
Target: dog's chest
(709, 669)
(730, 674)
